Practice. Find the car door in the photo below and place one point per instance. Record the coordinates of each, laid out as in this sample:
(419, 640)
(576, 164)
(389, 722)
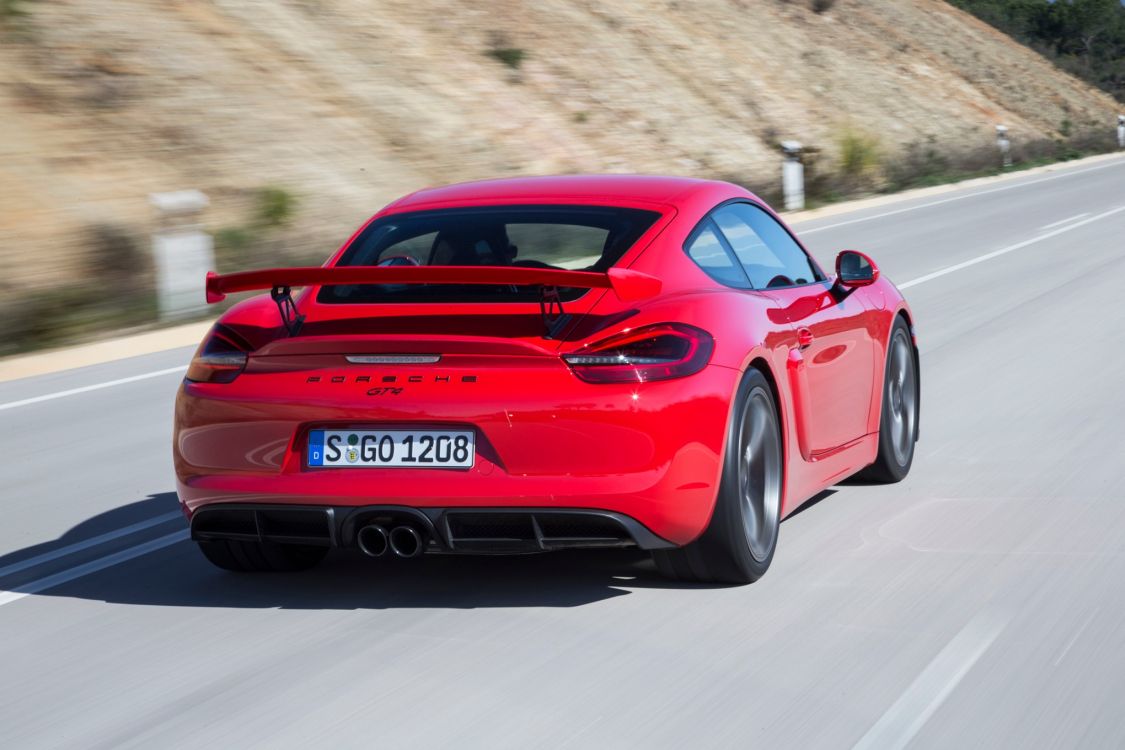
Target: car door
(832, 356)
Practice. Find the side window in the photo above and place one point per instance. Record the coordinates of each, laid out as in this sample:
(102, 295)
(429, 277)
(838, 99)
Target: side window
(769, 255)
(709, 254)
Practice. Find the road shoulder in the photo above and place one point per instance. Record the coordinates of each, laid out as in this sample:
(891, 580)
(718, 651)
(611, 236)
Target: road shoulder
(99, 352)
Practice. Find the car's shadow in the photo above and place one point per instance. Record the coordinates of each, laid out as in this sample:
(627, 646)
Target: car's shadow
(177, 575)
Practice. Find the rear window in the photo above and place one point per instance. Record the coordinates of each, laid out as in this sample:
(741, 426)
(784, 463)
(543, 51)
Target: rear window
(583, 238)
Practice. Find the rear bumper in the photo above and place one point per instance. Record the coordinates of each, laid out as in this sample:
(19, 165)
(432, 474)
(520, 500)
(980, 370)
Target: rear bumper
(445, 530)
(648, 452)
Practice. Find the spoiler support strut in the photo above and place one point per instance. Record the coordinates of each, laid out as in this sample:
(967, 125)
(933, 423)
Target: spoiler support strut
(551, 308)
(282, 295)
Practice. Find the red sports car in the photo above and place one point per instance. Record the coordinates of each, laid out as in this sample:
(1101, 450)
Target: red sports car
(538, 364)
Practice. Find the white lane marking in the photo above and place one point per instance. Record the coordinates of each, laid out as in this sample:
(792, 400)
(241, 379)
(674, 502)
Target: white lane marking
(1074, 638)
(93, 541)
(1064, 221)
(94, 387)
(1008, 249)
(960, 197)
(929, 690)
(57, 579)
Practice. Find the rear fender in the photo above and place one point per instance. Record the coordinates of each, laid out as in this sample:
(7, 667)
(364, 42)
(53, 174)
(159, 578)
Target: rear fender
(774, 364)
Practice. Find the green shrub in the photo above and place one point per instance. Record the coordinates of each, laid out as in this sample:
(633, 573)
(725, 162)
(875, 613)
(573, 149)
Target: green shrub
(232, 245)
(1083, 37)
(510, 56)
(823, 183)
(117, 291)
(859, 154)
(12, 10)
(1093, 140)
(863, 165)
(52, 317)
(275, 206)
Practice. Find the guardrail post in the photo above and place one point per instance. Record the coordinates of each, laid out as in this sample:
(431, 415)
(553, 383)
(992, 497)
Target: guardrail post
(1121, 131)
(1004, 145)
(182, 252)
(792, 176)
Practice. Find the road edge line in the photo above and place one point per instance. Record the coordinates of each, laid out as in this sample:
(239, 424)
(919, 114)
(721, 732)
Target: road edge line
(7, 596)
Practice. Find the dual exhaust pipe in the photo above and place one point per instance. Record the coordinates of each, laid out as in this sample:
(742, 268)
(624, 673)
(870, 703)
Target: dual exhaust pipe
(402, 541)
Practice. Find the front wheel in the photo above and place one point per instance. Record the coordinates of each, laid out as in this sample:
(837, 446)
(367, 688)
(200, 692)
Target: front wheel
(739, 543)
(898, 425)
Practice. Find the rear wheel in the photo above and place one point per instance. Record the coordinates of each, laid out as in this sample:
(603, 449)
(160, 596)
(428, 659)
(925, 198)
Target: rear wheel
(898, 425)
(261, 556)
(739, 543)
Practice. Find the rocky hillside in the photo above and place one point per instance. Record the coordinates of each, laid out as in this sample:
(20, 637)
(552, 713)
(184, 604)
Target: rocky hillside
(344, 104)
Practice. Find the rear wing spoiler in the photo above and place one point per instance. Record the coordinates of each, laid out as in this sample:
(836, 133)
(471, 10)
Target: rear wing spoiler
(627, 285)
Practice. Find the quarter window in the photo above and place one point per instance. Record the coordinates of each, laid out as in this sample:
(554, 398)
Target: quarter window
(768, 254)
(708, 252)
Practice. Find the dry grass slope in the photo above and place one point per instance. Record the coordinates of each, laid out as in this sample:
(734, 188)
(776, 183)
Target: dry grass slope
(348, 103)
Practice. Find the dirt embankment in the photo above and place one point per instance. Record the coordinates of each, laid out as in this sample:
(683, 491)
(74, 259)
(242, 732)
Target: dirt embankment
(345, 104)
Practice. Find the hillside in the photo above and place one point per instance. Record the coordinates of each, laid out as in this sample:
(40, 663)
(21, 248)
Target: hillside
(348, 103)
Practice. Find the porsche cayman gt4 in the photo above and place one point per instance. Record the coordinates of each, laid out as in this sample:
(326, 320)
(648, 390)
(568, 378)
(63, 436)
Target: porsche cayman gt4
(539, 364)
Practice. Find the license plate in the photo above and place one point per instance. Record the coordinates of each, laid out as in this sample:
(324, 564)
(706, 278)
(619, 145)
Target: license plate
(453, 449)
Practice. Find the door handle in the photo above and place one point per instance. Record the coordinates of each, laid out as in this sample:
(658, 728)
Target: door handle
(804, 338)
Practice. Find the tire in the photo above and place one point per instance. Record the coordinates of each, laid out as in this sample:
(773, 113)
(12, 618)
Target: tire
(259, 557)
(898, 423)
(739, 543)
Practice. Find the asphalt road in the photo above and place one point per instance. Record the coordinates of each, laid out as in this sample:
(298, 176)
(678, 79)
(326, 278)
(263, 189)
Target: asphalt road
(981, 603)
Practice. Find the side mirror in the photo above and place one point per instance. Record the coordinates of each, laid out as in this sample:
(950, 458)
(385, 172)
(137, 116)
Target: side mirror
(854, 269)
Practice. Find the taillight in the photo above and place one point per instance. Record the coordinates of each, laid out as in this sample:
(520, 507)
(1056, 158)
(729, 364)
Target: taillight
(657, 352)
(220, 359)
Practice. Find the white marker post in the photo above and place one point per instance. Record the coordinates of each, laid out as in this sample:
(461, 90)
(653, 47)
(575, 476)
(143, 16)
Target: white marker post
(793, 176)
(182, 251)
(1121, 131)
(1004, 145)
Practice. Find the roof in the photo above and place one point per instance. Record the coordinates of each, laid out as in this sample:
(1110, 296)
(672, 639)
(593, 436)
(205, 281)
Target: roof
(644, 188)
